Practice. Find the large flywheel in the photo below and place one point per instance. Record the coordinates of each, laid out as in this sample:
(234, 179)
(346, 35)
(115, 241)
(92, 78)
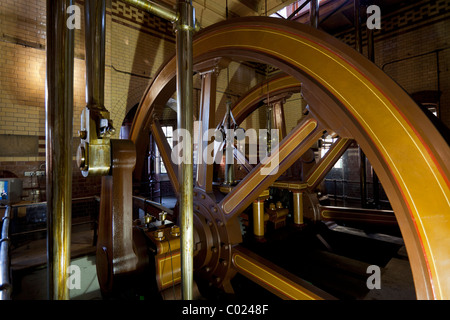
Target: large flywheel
(348, 96)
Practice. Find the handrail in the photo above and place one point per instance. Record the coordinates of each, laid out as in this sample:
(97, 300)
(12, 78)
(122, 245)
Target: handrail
(5, 281)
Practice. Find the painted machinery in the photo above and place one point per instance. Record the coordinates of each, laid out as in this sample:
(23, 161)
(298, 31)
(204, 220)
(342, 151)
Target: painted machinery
(348, 97)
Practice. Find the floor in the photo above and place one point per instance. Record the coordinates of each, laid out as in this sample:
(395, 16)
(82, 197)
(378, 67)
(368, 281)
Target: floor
(338, 268)
(29, 271)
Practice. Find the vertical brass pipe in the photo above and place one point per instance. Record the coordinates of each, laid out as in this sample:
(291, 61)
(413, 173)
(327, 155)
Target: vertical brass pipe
(370, 46)
(59, 131)
(298, 207)
(314, 13)
(154, 8)
(357, 23)
(184, 33)
(258, 218)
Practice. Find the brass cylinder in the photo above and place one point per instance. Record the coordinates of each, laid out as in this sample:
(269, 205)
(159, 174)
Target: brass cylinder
(298, 208)
(184, 34)
(59, 132)
(258, 218)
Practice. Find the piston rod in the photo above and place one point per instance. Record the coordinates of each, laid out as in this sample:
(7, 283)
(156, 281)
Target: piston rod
(156, 9)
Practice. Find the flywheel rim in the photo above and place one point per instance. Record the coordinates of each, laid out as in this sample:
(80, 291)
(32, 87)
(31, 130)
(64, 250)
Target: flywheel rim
(423, 215)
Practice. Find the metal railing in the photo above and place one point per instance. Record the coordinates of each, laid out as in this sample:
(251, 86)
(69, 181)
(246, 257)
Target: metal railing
(5, 276)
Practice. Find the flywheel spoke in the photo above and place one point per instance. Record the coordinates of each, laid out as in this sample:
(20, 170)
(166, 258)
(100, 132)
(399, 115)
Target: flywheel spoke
(300, 139)
(206, 117)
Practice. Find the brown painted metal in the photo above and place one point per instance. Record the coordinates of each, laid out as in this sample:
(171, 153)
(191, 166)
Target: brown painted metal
(165, 152)
(273, 278)
(115, 254)
(59, 131)
(368, 216)
(242, 160)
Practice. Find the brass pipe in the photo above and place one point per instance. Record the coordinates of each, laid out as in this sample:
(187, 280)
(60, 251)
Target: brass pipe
(59, 132)
(184, 33)
(298, 207)
(5, 261)
(258, 218)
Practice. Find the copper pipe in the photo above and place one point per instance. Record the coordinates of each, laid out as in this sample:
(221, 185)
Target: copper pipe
(184, 34)
(59, 131)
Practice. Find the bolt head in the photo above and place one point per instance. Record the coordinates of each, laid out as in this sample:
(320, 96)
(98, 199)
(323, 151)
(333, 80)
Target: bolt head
(159, 235)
